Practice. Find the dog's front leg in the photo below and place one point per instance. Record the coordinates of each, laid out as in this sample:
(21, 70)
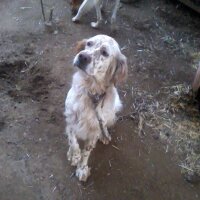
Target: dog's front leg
(114, 15)
(105, 135)
(84, 8)
(99, 16)
(74, 152)
(83, 171)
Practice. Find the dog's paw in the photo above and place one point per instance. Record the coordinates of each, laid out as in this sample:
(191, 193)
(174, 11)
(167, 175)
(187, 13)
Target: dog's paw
(89, 147)
(114, 26)
(74, 157)
(75, 19)
(105, 139)
(94, 24)
(83, 173)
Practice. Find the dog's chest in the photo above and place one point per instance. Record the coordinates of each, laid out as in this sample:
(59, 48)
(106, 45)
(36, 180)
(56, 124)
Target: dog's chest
(97, 99)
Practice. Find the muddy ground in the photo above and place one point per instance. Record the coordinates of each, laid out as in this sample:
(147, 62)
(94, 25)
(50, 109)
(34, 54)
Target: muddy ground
(158, 38)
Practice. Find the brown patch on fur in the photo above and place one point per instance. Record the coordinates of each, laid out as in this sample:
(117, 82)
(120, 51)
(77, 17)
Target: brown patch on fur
(117, 71)
(110, 72)
(121, 71)
(80, 45)
(75, 4)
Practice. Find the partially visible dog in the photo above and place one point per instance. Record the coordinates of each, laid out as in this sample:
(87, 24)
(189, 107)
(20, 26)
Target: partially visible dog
(93, 101)
(88, 5)
(75, 4)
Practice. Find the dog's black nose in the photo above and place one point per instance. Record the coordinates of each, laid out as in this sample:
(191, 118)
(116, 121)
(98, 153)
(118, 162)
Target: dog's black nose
(83, 60)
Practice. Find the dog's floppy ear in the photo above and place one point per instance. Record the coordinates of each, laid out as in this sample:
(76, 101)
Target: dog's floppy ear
(80, 45)
(121, 70)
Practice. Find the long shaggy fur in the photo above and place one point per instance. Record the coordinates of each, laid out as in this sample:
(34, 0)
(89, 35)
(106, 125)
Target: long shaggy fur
(101, 66)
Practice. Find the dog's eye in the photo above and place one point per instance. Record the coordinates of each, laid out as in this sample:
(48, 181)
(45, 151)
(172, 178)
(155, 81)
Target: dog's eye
(104, 53)
(89, 44)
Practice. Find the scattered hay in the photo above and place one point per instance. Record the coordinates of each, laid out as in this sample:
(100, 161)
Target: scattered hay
(175, 119)
(141, 124)
(185, 125)
(188, 131)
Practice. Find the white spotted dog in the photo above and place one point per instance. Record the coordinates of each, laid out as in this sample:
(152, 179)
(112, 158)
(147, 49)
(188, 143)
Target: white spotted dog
(93, 101)
(87, 5)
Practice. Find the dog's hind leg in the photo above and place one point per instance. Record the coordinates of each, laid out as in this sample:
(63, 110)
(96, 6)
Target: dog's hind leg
(99, 16)
(84, 8)
(114, 15)
(74, 152)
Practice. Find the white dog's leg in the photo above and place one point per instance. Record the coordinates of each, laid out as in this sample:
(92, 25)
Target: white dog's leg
(99, 16)
(84, 8)
(114, 15)
(101, 4)
(105, 136)
(74, 152)
(83, 171)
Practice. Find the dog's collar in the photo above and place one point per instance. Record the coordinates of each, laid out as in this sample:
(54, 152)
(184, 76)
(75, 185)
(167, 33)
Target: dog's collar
(96, 98)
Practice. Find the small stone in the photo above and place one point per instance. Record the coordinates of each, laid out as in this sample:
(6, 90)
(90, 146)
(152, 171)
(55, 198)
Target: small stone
(55, 32)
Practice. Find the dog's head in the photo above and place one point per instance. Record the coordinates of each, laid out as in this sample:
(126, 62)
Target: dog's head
(100, 57)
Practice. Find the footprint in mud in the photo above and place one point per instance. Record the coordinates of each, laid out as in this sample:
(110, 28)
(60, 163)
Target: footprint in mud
(22, 83)
(38, 87)
(10, 71)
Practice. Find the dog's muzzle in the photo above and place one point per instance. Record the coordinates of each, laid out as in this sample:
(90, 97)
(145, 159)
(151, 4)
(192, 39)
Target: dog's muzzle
(82, 61)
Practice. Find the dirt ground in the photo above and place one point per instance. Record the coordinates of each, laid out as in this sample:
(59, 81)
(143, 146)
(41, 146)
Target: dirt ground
(158, 38)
